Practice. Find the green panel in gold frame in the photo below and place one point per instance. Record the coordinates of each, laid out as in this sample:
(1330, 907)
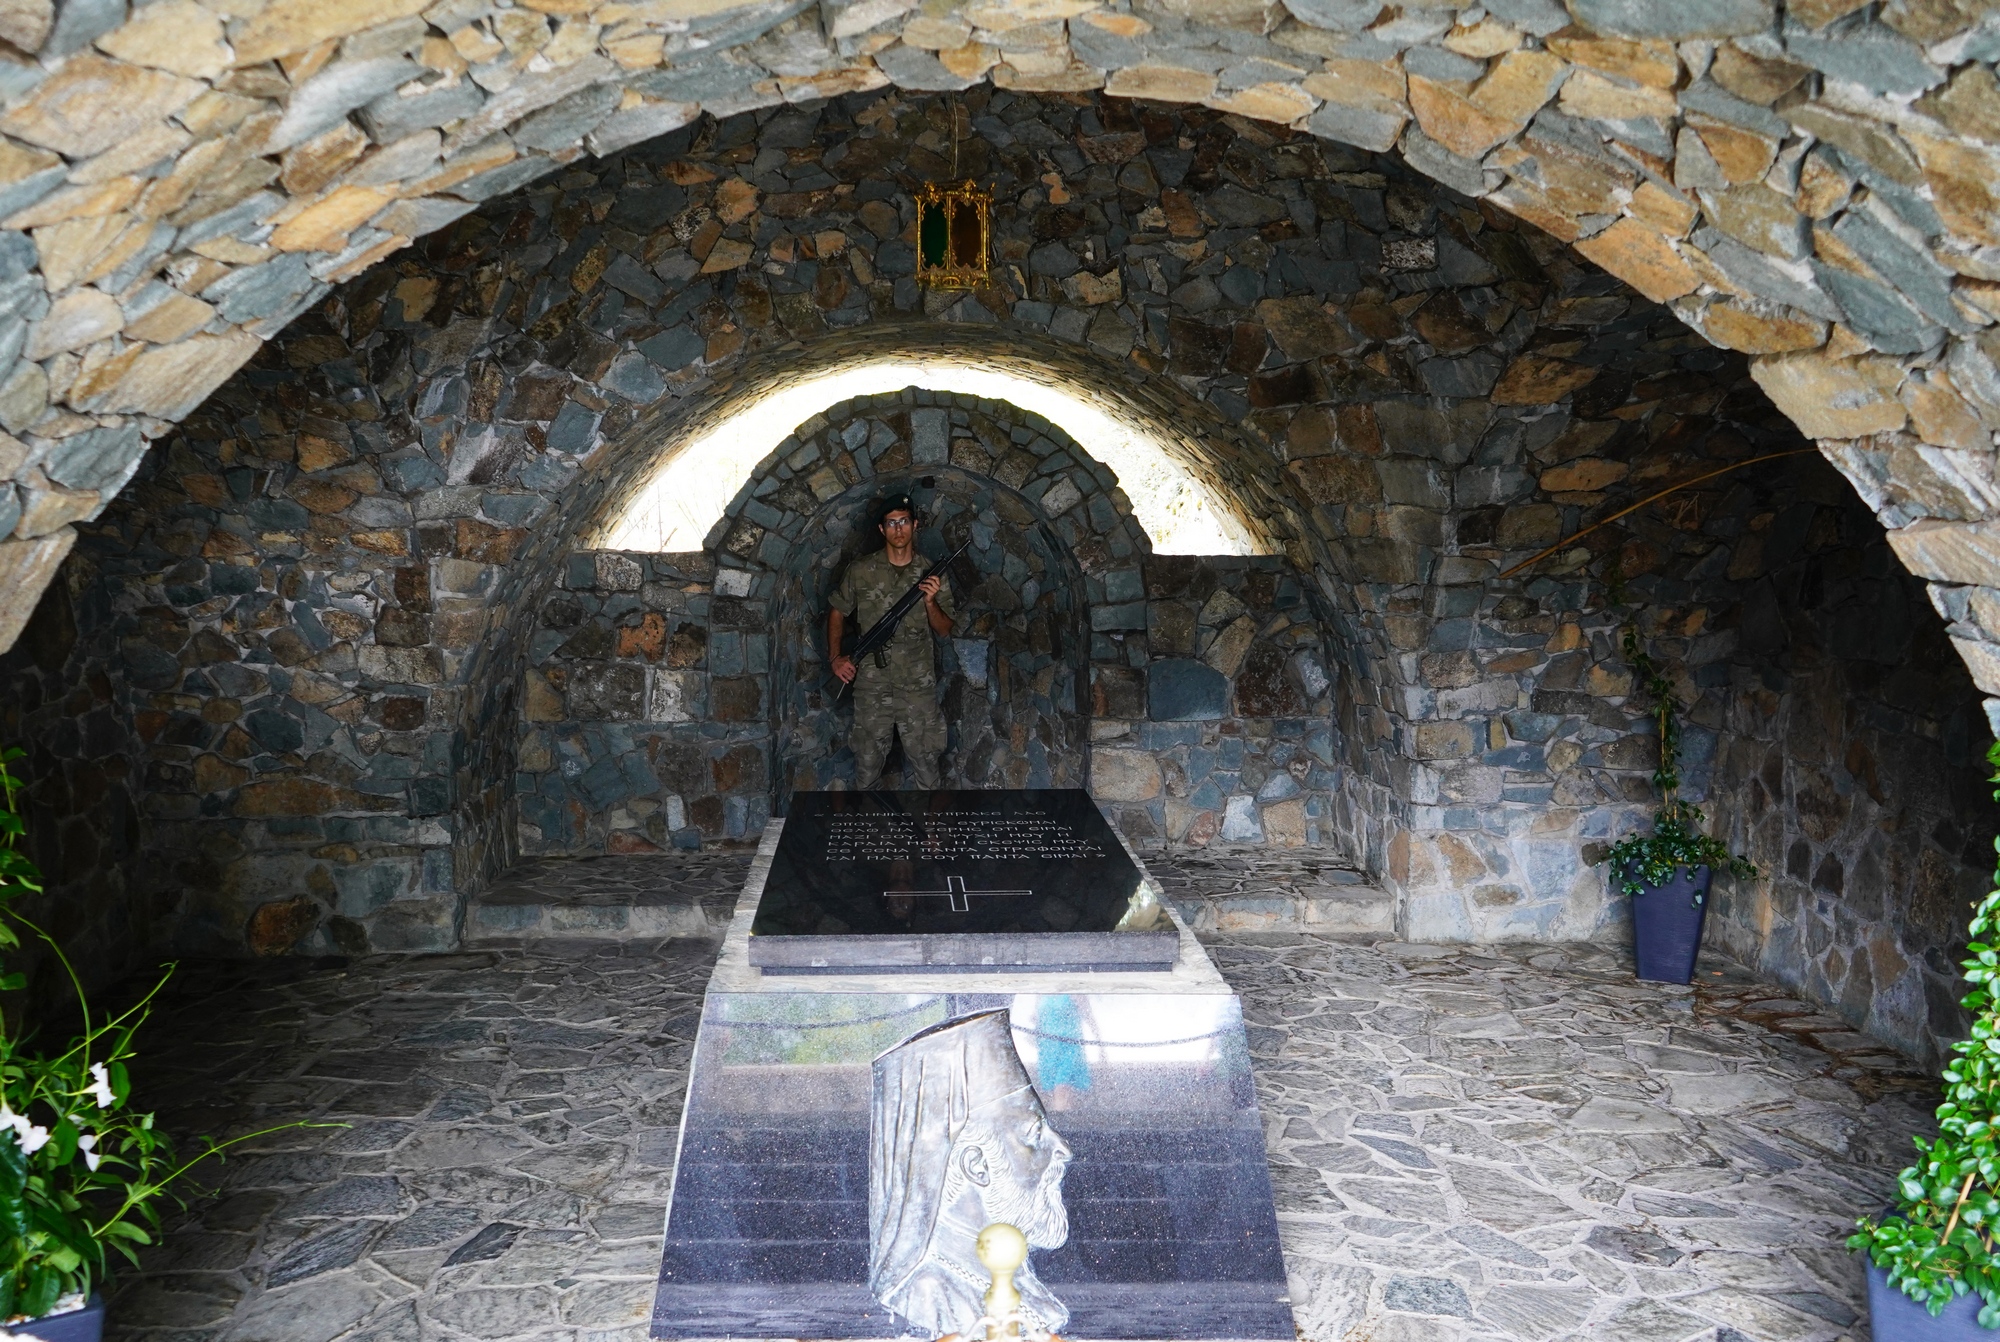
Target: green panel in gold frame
(954, 235)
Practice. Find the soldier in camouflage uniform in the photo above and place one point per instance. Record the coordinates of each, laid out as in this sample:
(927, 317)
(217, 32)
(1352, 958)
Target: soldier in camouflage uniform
(895, 687)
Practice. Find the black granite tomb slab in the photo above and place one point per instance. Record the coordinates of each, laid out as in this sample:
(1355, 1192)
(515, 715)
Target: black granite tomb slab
(878, 882)
(1171, 1230)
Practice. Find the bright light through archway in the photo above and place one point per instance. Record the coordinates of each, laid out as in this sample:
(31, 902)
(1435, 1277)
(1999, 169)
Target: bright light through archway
(676, 509)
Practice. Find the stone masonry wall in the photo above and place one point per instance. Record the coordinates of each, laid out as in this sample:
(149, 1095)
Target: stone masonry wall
(333, 576)
(1050, 535)
(1849, 756)
(627, 748)
(1830, 734)
(683, 701)
(1811, 184)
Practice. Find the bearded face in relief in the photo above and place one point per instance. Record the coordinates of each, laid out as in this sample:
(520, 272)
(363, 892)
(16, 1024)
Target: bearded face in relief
(959, 1140)
(1010, 1162)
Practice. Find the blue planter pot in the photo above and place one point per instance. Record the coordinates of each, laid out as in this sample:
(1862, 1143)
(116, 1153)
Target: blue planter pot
(79, 1325)
(1894, 1317)
(1667, 923)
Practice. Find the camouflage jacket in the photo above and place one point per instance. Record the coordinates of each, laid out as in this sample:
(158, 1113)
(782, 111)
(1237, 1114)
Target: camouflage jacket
(869, 587)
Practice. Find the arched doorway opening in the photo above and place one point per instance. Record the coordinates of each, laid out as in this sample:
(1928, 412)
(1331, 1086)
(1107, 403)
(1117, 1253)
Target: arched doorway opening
(1015, 677)
(1180, 510)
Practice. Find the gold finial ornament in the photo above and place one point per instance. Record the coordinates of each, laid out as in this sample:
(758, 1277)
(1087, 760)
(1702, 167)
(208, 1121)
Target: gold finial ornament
(954, 235)
(1002, 1249)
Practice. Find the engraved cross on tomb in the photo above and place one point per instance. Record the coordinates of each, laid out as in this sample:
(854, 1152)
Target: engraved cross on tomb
(955, 891)
(894, 882)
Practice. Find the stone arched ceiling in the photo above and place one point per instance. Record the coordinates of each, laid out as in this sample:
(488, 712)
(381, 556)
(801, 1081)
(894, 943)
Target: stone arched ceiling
(1815, 184)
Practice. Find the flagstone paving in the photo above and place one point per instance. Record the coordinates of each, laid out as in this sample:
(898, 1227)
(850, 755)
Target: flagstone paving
(1466, 1145)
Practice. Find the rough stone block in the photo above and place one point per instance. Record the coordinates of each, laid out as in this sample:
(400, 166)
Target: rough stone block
(392, 117)
(1443, 740)
(1675, 22)
(73, 321)
(100, 459)
(1117, 692)
(1370, 127)
(737, 699)
(92, 104)
(1124, 775)
(1759, 218)
(565, 122)
(1955, 552)
(27, 567)
(1180, 689)
(631, 125)
(1643, 258)
(164, 381)
(1830, 398)
(326, 99)
(1240, 822)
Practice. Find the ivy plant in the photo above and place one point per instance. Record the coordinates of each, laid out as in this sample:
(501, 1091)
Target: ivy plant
(82, 1175)
(1938, 1242)
(1642, 862)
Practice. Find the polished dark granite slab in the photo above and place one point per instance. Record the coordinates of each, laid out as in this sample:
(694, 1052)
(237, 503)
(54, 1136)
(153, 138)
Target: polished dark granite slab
(941, 880)
(1171, 1229)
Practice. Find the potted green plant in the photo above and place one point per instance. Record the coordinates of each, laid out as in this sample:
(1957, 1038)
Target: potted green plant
(1932, 1274)
(81, 1174)
(1667, 872)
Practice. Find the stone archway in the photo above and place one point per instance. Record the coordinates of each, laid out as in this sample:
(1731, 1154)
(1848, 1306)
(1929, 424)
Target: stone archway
(1469, 398)
(1814, 188)
(312, 616)
(1022, 611)
(1041, 528)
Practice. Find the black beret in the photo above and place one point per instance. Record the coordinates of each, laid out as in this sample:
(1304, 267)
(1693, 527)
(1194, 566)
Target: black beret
(894, 503)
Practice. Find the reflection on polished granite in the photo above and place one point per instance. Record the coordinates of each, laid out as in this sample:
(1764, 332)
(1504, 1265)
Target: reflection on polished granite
(930, 880)
(1171, 1230)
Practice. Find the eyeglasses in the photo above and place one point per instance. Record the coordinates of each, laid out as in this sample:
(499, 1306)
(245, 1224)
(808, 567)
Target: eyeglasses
(900, 522)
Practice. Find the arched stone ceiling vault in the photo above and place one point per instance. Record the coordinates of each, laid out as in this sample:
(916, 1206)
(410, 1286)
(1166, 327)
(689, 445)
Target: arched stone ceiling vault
(1816, 184)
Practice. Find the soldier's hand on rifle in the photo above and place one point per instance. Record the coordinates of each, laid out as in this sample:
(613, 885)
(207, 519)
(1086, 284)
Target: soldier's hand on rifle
(929, 587)
(843, 666)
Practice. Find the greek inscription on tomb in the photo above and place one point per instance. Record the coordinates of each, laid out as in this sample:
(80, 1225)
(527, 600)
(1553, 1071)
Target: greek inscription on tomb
(946, 835)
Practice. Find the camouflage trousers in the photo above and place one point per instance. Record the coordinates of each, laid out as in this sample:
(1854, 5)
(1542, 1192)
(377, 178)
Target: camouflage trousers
(878, 718)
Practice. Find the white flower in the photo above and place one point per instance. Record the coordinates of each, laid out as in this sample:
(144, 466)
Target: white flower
(88, 1145)
(100, 1086)
(31, 1136)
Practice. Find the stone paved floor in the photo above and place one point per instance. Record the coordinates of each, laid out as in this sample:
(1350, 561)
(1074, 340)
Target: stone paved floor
(1528, 1144)
(1512, 1144)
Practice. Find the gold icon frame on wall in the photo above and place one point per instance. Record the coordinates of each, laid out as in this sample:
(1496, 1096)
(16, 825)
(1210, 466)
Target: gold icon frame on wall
(954, 235)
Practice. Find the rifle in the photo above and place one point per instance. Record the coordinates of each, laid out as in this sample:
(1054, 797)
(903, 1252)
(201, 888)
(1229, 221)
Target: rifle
(884, 629)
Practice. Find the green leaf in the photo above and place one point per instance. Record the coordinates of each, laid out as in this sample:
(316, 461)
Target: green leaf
(44, 1288)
